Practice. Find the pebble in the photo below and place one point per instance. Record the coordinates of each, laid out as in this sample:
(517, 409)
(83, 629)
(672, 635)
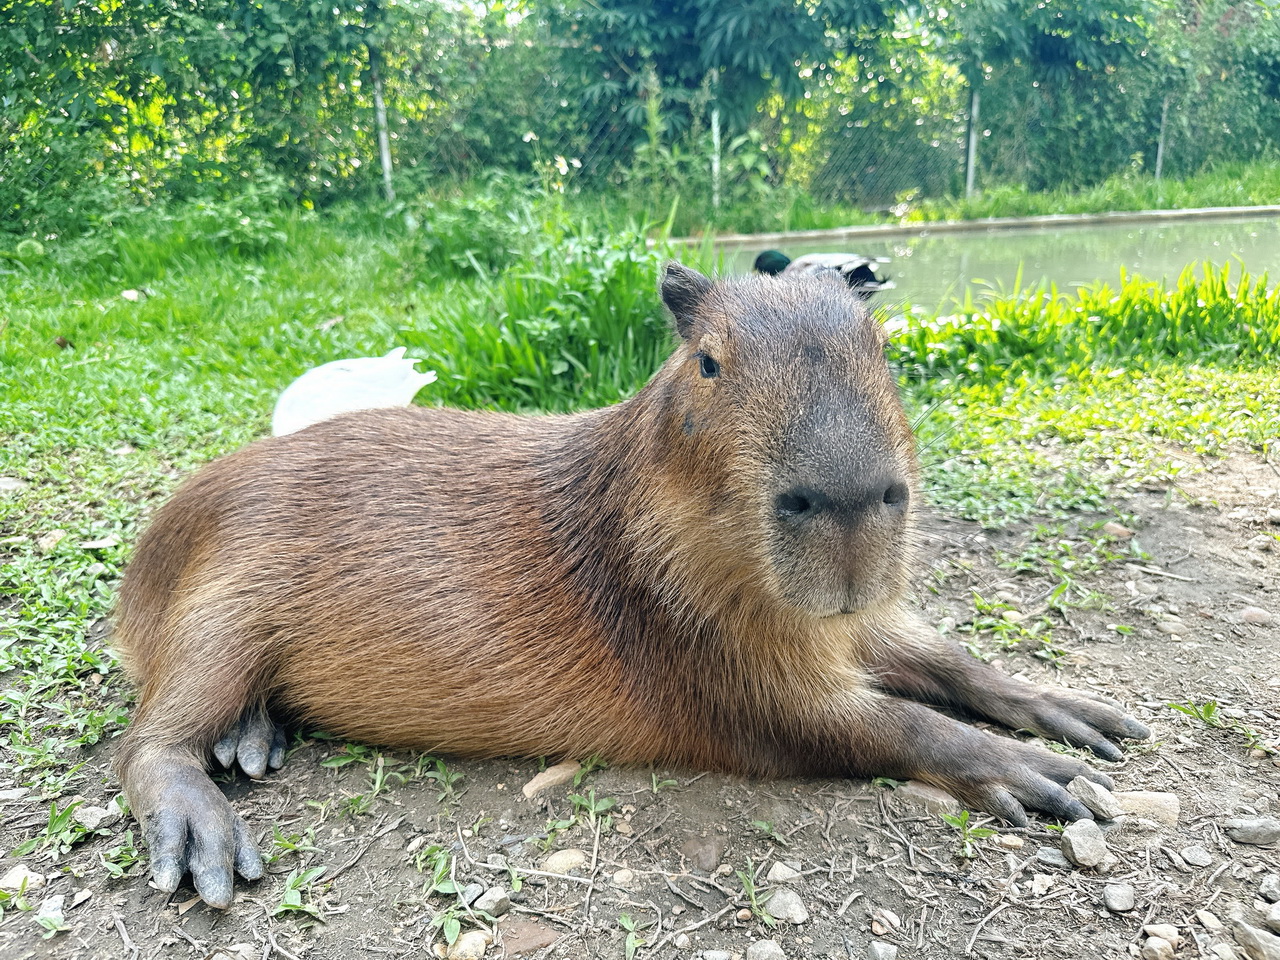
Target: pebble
(1209, 920)
(1273, 917)
(471, 893)
(10, 484)
(781, 873)
(1157, 948)
(765, 950)
(1224, 951)
(47, 542)
(1083, 843)
(883, 920)
(12, 881)
(716, 955)
(1273, 514)
(1258, 616)
(1165, 931)
(1257, 944)
(495, 901)
(1119, 897)
(562, 861)
(470, 946)
(1010, 841)
(879, 950)
(1117, 530)
(682, 942)
(1172, 627)
(1270, 889)
(562, 772)
(17, 793)
(744, 915)
(785, 904)
(1053, 857)
(932, 799)
(52, 907)
(1164, 808)
(1096, 797)
(624, 877)
(1197, 856)
(1253, 830)
(705, 853)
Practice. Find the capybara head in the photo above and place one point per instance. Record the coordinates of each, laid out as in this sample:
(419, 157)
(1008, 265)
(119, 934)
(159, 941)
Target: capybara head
(781, 398)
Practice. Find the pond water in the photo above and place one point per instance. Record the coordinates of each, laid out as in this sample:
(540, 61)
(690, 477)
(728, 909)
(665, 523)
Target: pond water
(931, 271)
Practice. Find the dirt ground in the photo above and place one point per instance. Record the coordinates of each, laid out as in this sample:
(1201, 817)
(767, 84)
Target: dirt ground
(871, 866)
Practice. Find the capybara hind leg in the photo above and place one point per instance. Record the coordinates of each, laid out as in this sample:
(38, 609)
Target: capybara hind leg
(189, 826)
(255, 741)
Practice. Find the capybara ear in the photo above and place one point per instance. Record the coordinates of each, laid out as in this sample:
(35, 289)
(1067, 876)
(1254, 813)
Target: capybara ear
(682, 291)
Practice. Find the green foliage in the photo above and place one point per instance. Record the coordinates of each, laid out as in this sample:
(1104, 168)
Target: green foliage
(298, 896)
(969, 834)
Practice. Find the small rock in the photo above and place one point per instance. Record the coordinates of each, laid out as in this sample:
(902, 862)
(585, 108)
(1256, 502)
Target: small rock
(879, 950)
(1209, 920)
(744, 915)
(102, 543)
(765, 950)
(1164, 808)
(17, 793)
(1262, 542)
(80, 897)
(1172, 627)
(1273, 917)
(1157, 948)
(52, 907)
(682, 942)
(521, 938)
(11, 484)
(1083, 843)
(1010, 841)
(13, 881)
(1258, 616)
(781, 873)
(562, 772)
(562, 861)
(1117, 530)
(471, 893)
(470, 946)
(1041, 883)
(1273, 514)
(932, 799)
(95, 818)
(1013, 616)
(1053, 857)
(883, 921)
(705, 853)
(47, 542)
(1257, 944)
(1270, 889)
(1224, 951)
(785, 904)
(1196, 855)
(716, 955)
(1096, 797)
(1119, 897)
(1253, 830)
(1165, 931)
(494, 901)
(623, 828)
(624, 877)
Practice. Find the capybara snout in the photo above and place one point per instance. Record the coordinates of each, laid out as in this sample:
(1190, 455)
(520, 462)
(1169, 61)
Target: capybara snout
(709, 575)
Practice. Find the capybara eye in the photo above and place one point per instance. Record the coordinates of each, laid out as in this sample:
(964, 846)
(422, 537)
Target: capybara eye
(707, 366)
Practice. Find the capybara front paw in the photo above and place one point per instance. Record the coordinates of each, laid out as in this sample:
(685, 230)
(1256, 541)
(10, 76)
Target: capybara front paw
(1082, 720)
(195, 829)
(255, 741)
(1009, 777)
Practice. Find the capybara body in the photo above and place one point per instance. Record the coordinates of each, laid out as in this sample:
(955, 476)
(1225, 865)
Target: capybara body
(709, 575)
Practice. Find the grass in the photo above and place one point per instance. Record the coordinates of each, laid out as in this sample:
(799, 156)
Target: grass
(1041, 408)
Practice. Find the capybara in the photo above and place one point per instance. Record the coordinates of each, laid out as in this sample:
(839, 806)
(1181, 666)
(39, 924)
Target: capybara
(710, 575)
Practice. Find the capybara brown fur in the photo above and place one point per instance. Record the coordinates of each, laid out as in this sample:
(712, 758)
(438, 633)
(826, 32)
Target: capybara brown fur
(709, 575)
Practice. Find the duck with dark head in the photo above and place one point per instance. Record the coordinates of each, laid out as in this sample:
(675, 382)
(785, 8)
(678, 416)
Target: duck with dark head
(711, 574)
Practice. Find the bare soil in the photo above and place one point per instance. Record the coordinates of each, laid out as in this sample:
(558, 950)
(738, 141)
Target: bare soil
(863, 852)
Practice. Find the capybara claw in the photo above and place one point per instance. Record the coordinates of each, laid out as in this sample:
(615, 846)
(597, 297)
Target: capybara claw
(254, 741)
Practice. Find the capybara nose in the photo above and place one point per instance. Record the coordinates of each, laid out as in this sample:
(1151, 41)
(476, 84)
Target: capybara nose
(881, 497)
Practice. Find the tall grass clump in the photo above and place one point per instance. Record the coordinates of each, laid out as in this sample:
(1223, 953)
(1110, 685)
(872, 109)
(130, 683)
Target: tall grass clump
(1207, 317)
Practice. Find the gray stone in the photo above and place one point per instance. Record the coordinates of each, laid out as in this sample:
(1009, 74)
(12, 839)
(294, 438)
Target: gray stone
(1164, 808)
(1270, 889)
(11, 484)
(1257, 616)
(1196, 855)
(1209, 920)
(51, 908)
(705, 853)
(1096, 797)
(470, 946)
(1257, 944)
(493, 901)
(562, 861)
(1083, 843)
(1165, 931)
(716, 955)
(781, 873)
(765, 950)
(1053, 857)
(1157, 948)
(14, 880)
(17, 793)
(785, 904)
(1253, 830)
(1273, 917)
(471, 893)
(1119, 897)
(928, 797)
(879, 950)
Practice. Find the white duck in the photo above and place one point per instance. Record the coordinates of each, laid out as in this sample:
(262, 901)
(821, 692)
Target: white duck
(356, 383)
